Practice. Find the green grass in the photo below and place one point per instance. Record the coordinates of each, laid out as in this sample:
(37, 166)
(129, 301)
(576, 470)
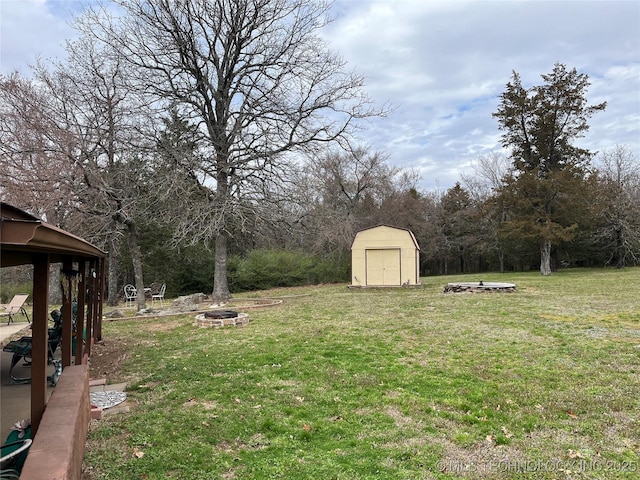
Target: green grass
(400, 384)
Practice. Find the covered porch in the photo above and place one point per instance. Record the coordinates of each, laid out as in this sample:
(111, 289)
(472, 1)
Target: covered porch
(59, 417)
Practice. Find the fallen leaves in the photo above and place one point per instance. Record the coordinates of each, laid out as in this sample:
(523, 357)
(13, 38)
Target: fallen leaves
(574, 454)
(506, 432)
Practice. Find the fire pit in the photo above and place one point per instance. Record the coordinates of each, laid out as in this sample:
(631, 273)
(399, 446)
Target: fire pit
(481, 286)
(221, 318)
(219, 314)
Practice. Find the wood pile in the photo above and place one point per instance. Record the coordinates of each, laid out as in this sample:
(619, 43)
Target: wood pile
(475, 287)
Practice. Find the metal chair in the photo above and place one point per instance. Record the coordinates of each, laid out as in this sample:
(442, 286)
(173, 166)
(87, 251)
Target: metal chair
(130, 294)
(160, 295)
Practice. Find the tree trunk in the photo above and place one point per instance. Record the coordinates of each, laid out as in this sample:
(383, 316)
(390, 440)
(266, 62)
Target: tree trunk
(220, 292)
(55, 292)
(545, 258)
(112, 299)
(136, 259)
(620, 253)
(501, 260)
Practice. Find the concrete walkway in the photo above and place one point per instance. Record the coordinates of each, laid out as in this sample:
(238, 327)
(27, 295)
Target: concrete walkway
(7, 331)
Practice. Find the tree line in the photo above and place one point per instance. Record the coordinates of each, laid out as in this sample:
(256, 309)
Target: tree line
(214, 145)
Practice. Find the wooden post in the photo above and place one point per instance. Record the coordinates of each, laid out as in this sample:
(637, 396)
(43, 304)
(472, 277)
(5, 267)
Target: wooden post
(67, 315)
(91, 306)
(99, 298)
(80, 321)
(40, 343)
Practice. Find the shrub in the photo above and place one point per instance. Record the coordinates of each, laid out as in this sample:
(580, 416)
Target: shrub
(10, 289)
(16, 280)
(263, 269)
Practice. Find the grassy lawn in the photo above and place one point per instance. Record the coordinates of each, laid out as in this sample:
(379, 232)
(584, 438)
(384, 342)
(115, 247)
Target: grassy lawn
(400, 384)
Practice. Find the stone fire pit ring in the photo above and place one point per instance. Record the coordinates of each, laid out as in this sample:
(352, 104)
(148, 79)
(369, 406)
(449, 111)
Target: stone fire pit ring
(221, 318)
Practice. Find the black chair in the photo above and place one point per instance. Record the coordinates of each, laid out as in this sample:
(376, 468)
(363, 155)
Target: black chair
(22, 349)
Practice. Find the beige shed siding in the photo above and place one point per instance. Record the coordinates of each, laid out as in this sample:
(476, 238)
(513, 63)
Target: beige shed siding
(383, 266)
(384, 256)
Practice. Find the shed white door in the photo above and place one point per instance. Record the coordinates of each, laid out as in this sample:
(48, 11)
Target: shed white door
(383, 266)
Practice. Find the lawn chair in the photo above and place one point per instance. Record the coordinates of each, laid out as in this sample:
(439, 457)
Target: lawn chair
(130, 294)
(22, 350)
(160, 295)
(15, 450)
(13, 456)
(14, 307)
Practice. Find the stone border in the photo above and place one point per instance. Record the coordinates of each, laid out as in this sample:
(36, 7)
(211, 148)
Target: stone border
(205, 322)
(255, 303)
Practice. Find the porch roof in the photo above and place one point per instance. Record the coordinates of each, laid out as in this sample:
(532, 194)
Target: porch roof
(22, 236)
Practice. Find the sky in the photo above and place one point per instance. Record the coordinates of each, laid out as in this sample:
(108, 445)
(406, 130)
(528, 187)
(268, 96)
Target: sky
(441, 65)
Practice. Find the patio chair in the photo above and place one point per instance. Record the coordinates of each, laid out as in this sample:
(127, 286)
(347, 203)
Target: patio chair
(160, 295)
(15, 450)
(22, 350)
(130, 294)
(13, 456)
(16, 305)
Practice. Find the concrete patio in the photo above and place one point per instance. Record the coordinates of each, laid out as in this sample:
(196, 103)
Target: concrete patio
(15, 399)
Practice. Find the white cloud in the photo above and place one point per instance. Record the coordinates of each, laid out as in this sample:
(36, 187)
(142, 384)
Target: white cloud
(31, 29)
(443, 64)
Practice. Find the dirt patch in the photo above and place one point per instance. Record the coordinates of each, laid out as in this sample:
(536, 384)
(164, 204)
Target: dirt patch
(106, 357)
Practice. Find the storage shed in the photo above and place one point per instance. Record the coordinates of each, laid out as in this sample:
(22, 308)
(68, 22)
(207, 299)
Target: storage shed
(385, 256)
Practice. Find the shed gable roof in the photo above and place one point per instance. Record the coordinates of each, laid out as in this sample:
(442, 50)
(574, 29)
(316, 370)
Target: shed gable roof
(382, 226)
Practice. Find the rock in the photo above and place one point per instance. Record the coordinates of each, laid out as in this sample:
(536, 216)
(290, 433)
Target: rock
(189, 303)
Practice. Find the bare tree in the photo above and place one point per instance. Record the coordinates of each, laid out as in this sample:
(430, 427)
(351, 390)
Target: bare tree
(486, 175)
(619, 201)
(71, 140)
(348, 190)
(255, 78)
(32, 150)
(483, 181)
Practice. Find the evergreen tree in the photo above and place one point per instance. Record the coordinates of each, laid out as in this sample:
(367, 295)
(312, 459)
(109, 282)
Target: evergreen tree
(540, 124)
